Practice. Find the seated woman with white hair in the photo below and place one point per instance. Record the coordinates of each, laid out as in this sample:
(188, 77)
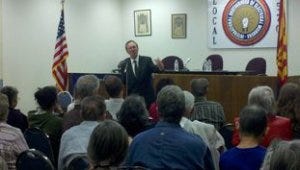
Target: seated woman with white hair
(278, 127)
(205, 131)
(282, 155)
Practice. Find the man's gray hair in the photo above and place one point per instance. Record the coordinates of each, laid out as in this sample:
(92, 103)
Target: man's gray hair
(131, 41)
(199, 87)
(86, 85)
(171, 103)
(189, 100)
(263, 96)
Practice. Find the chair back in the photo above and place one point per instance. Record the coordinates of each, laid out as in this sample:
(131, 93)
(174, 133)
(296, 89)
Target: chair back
(33, 160)
(257, 66)
(216, 61)
(169, 62)
(79, 162)
(64, 98)
(227, 132)
(40, 141)
(132, 168)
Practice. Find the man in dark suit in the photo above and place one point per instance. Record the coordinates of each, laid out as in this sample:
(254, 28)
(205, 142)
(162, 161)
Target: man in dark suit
(137, 72)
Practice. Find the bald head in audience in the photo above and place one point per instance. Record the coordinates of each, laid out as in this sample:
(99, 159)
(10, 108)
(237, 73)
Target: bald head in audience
(86, 85)
(171, 104)
(199, 87)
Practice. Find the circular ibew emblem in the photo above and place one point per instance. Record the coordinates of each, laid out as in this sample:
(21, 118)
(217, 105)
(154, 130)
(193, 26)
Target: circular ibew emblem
(246, 22)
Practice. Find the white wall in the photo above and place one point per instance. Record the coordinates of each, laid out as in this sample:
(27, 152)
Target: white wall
(94, 38)
(1, 44)
(160, 44)
(293, 37)
(96, 32)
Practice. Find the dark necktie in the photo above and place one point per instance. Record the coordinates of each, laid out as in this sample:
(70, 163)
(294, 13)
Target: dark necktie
(135, 68)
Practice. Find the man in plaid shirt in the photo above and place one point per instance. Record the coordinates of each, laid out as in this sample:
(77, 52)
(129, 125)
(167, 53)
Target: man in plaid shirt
(206, 111)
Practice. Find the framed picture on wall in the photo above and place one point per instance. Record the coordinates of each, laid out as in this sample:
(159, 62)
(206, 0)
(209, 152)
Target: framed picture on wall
(178, 25)
(142, 22)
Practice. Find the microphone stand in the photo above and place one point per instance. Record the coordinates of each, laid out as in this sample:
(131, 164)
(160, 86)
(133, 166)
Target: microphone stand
(123, 68)
(185, 64)
(126, 78)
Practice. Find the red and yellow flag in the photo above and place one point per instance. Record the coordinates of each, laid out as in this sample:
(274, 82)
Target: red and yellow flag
(282, 65)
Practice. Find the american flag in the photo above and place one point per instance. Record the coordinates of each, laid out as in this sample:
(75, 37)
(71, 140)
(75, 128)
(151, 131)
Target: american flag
(282, 57)
(59, 67)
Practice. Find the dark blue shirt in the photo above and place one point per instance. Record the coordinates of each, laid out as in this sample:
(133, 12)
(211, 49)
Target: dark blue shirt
(242, 159)
(17, 119)
(168, 146)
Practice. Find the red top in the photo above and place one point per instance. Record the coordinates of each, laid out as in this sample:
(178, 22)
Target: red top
(153, 112)
(278, 127)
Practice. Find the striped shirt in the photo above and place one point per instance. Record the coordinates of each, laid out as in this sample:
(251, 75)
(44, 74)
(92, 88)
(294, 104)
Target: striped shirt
(12, 143)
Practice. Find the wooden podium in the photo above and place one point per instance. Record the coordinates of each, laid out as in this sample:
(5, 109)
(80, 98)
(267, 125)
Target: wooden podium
(231, 90)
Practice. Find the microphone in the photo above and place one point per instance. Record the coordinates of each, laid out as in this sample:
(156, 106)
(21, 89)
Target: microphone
(116, 70)
(185, 63)
(122, 64)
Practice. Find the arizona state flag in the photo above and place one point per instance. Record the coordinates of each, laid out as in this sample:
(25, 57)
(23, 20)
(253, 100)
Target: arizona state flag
(282, 65)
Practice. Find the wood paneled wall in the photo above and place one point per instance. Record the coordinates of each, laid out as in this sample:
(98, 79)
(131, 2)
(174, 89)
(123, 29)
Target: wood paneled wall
(229, 90)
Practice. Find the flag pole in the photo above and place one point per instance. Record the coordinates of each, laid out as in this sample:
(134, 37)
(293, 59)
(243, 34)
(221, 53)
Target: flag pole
(62, 3)
(59, 66)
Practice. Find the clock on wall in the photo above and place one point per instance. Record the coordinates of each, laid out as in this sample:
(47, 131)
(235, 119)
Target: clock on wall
(246, 22)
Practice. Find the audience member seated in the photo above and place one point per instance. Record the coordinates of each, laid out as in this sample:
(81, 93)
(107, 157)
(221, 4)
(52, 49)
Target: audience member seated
(287, 105)
(44, 118)
(15, 117)
(167, 145)
(108, 145)
(114, 88)
(206, 111)
(283, 155)
(153, 112)
(75, 140)
(12, 141)
(205, 131)
(248, 154)
(133, 115)
(102, 89)
(64, 99)
(278, 127)
(86, 85)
